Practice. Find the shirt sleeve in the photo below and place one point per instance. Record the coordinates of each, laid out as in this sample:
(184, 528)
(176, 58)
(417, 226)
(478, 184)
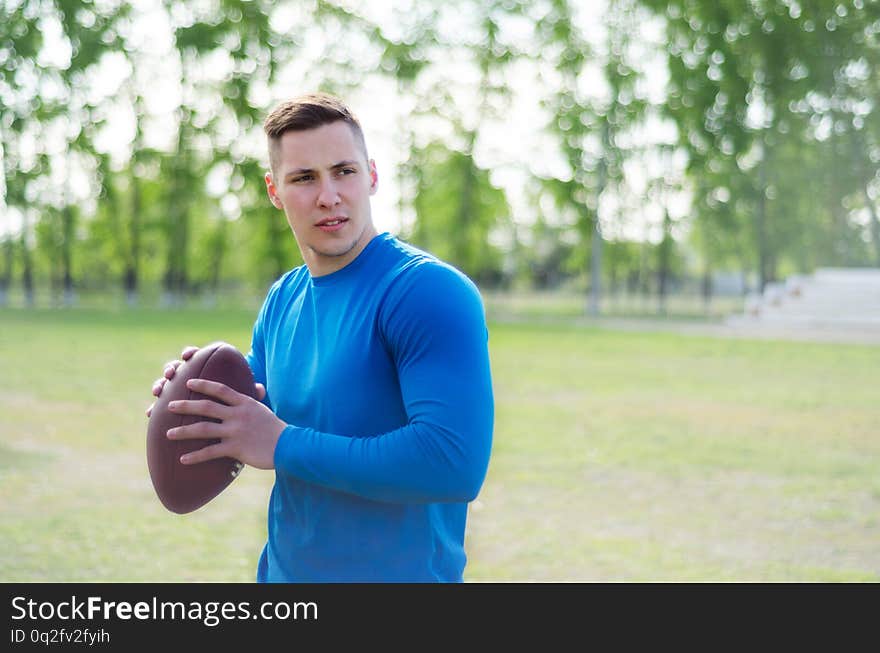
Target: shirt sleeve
(433, 324)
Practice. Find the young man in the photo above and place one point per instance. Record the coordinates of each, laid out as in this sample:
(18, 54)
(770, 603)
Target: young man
(372, 364)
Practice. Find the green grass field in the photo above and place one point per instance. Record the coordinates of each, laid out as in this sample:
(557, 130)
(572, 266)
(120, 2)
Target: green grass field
(617, 457)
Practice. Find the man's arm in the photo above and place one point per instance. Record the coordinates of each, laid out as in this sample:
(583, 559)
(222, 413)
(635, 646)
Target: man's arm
(434, 327)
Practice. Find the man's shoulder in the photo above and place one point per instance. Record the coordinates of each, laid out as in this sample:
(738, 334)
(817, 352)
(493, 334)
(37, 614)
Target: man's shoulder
(283, 287)
(415, 265)
(419, 280)
(289, 279)
(397, 254)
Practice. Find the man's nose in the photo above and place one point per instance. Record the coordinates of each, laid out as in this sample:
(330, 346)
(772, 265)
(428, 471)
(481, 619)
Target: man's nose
(328, 196)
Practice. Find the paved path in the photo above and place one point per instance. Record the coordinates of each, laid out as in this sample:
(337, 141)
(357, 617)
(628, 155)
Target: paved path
(839, 334)
(862, 335)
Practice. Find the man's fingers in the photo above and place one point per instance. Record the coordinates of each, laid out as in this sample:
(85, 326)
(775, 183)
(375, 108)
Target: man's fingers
(195, 431)
(188, 352)
(201, 407)
(217, 390)
(171, 368)
(168, 372)
(158, 385)
(261, 391)
(204, 454)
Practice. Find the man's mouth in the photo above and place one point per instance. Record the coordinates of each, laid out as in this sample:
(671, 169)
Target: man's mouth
(331, 224)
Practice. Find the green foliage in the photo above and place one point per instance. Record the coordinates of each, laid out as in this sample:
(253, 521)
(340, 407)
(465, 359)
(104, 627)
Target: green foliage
(457, 210)
(550, 253)
(590, 127)
(762, 94)
(265, 238)
(774, 104)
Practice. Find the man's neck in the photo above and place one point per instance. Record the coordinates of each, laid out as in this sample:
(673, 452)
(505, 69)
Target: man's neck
(320, 265)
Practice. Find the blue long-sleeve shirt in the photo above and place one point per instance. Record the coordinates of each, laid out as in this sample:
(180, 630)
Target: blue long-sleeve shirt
(381, 371)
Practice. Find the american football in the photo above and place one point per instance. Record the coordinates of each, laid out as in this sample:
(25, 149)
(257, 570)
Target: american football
(185, 488)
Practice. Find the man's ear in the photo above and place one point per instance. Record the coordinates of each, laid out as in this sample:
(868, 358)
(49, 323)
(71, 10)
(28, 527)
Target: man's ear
(272, 191)
(374, 178)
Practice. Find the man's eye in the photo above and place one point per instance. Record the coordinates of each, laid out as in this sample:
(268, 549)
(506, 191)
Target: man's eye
(347, 171)
(299, 180)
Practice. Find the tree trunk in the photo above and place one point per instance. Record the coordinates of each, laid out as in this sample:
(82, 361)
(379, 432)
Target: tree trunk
(875, 224)
(706, 289)
(132, 263)
(761, 223)
(278, 232)
(217, 256)
(27, 273)
(664, 254)
(6, 276)
(67, 237)
(594, 306)
(175, 279)
(595, 303)
(706, 282)
(465, 211)
(644, 272)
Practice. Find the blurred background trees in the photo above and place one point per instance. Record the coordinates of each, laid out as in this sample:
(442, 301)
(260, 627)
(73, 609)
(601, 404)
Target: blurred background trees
(635, 147)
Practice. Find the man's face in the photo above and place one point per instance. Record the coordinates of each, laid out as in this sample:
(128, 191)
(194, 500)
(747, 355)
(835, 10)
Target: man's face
(323, 183)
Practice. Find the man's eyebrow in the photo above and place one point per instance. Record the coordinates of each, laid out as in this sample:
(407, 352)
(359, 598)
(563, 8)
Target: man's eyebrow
(344, 164)
(304, 171)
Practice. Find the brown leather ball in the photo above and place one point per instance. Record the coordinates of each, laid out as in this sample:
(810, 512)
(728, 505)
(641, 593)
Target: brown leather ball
(185, 488)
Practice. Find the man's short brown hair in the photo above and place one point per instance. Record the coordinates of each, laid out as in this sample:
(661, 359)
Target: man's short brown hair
(308, 111)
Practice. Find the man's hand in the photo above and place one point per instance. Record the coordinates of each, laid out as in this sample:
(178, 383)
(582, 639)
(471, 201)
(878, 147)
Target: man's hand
(171, 368)
(248, 430)
(168, 373)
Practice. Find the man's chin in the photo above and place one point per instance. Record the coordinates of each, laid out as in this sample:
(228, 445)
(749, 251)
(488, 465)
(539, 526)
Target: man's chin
(335, 250)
